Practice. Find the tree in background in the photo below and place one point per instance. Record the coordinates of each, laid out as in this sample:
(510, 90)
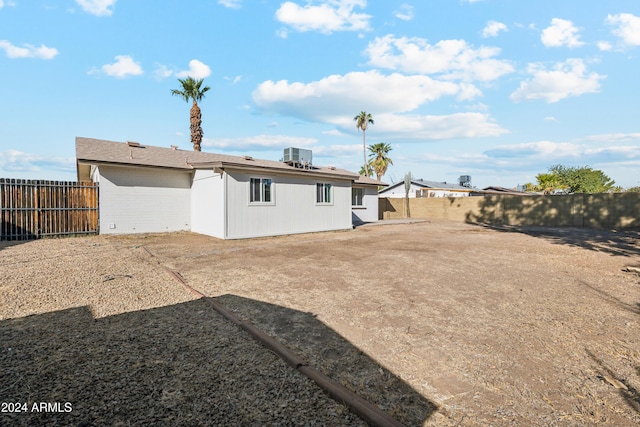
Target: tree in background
(573, 180)
(366, 170)
(379, 158)
(363, 120)
(192, 90)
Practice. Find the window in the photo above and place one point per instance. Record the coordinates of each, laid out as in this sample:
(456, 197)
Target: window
(323, 193)
(357, 196)
(260, 190)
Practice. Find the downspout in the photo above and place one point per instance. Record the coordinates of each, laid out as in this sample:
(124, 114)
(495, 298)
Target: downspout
(225, 207)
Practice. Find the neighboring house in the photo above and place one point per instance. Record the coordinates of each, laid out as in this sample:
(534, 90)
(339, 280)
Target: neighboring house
(422, 188)
(501, 190)
(145, 189)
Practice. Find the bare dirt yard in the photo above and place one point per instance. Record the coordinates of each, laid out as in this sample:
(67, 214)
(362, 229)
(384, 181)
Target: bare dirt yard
(436, 323)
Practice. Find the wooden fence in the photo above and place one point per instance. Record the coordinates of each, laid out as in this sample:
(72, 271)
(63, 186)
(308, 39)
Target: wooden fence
(30, 209)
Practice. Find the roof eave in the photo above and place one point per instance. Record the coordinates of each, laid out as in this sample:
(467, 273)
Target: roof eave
(260, 168)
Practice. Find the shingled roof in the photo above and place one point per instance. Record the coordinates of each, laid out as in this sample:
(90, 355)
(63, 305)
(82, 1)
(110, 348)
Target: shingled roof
(97, 151)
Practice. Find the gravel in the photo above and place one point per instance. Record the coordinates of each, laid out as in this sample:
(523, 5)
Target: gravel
(94, 332)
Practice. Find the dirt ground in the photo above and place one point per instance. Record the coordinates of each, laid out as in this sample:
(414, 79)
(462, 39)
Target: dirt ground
(437, 323)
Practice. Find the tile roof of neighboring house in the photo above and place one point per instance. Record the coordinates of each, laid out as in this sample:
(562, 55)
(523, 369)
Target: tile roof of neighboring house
(503, 190)
(96, 151)
(429, 184)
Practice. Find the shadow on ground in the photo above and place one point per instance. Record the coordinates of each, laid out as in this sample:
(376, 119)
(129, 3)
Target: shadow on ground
(185, 365)
(619, 243)
(626, 391)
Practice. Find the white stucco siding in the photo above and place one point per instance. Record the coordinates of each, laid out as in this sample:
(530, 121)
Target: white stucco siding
(368, 212)
(143, 200)
(207, 203)
(293, 208)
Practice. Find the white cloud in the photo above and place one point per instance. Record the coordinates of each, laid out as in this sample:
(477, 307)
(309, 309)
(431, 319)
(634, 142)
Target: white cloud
(452, 59)
(561, 33)
(123, 67)
(197, 70)
(538, 150)
(7, 3)
(18, 161)
(231, 4)
(28, 51)
(327, 16)
(334, 99)
(604, 46)
(97, 7)
(627, 27)
(234, 80)
(340, 95)
(405, 13)
(567, 79)
(259, 142)
(493, 28)
(433, 128)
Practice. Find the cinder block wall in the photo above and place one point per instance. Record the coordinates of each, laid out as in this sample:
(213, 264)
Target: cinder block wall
(605, 211)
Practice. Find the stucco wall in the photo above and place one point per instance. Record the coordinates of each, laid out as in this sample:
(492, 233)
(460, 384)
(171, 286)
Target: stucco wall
(143, 200)
(207, 203)
(368, 212)
(293, 210)
(606, 211)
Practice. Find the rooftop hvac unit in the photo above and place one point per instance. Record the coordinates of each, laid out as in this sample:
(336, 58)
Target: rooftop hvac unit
(297, 157)
(465, 181)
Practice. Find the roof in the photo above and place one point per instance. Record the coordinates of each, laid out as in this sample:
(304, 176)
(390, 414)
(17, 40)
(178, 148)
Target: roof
(365, 180)
(502, 190)
(91, 151)
(429, 184)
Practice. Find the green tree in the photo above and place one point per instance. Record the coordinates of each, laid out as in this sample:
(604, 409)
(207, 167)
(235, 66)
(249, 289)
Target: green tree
(574, 180)
(363, 120)
(549, 183)
(192, 90)
(366, 170)
(633, 190)
(379, 158)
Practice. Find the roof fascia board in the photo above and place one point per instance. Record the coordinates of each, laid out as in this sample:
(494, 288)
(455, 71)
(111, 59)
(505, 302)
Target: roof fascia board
(264, 169)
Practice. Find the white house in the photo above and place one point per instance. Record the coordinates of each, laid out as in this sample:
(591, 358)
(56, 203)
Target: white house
(422, 188)
(153, 189)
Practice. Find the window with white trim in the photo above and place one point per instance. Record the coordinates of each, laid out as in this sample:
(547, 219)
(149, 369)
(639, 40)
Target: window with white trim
(323, 193)
(261, 190)
(357, 196)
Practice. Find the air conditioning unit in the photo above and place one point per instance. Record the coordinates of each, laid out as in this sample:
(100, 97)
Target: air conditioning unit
(298, 157)
(465, 181)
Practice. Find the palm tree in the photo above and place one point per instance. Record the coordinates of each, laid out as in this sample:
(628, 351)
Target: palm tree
(366, 170)
(191, 89)
(362, 122)
(379, 158)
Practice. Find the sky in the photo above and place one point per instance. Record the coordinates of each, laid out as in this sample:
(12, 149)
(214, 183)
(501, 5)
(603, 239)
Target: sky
(500, 90)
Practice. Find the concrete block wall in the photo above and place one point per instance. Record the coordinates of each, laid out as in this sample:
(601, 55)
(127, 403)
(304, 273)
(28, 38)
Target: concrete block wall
(604, 211)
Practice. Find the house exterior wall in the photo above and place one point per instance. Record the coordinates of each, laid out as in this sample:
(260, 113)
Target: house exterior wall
(293, 208)
(368, 212)
(207, 203)
(143, 200)
(399, 191)
(437, 192)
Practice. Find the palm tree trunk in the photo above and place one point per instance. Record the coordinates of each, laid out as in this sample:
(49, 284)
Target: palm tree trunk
(196, 128)
(364, 153)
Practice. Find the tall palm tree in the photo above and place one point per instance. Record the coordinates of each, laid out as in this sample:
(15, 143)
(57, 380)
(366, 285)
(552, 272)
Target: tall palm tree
(363, 120)
(379, 158)
(192, 90)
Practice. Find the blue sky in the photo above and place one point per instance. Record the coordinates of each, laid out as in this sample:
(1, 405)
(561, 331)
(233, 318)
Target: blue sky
(499, 90)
